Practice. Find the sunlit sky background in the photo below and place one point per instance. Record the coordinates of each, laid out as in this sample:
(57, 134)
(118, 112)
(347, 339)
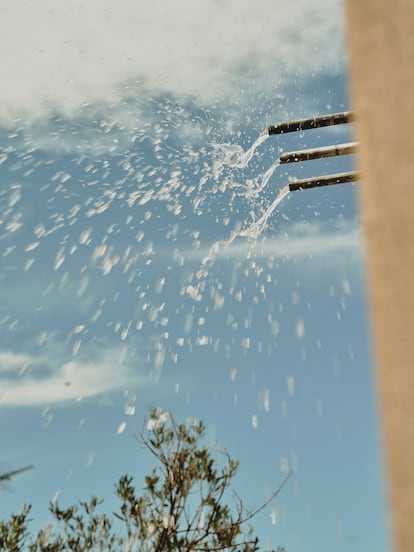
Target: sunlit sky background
(119, 122)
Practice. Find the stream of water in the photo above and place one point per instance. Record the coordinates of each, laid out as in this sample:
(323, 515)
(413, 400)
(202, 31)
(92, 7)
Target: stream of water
(254, 230)
(254, 188)
(235, 156)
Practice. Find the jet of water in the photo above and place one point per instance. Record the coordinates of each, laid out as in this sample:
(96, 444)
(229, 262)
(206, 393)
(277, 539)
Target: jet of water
(255, 229)
(234, 155)
(252, 232)
(254, 192)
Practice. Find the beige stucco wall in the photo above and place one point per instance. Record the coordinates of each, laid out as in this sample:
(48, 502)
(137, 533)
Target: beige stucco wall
(381, 53)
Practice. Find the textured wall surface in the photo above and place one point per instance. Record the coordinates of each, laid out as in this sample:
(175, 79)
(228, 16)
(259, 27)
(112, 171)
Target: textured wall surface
(381, 54)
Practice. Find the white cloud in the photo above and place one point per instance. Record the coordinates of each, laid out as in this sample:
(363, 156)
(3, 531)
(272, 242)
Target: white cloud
(315, 242)
(59, 55)
(295, 241)
(30, 379)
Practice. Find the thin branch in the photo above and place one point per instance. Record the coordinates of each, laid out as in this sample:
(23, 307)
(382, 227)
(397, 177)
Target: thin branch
(254, 513)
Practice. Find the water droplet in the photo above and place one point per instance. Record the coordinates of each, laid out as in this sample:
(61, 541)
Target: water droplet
(300, 329)
(76, 346)
(290, 380)
(121, 428)
(233, 374)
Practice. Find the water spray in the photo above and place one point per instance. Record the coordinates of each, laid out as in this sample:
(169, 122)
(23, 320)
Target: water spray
(297, 156)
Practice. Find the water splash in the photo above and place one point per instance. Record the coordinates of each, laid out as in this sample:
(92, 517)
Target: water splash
(234, 155)
(255, 191)
(126, 193)
(252, 232)
(255, 229)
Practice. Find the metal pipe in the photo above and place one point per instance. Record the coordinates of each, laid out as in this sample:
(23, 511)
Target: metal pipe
(329, 180)
(312, 122)
(318, 153)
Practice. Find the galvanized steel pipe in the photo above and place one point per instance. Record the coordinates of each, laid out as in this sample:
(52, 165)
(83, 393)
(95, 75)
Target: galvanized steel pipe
(329, 180)
(318, 153)
(312, 122)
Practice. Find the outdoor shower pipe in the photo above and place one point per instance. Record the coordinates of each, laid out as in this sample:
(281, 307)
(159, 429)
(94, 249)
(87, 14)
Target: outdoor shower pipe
(313, 122)
(329, 180)
(318, 153)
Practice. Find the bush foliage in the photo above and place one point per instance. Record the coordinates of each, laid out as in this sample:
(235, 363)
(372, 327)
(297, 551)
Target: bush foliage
(182, 507)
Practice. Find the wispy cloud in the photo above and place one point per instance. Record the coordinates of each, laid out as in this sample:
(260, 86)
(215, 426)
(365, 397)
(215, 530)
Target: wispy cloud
(59, 56)
(307, 240)
(294, 241)
(43, 379)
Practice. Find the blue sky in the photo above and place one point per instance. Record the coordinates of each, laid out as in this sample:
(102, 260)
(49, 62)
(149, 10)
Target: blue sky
(116, 126)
